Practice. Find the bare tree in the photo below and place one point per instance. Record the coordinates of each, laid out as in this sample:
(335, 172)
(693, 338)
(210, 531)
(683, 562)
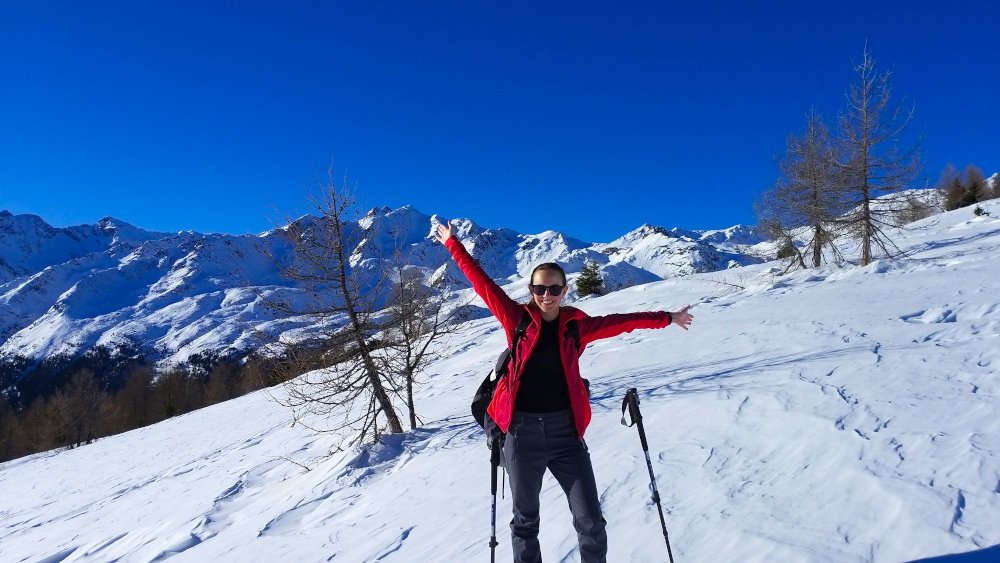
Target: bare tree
(805, 196)
(872, 162)
(975, 184)
(963, 189)
(418, 318)
(951, 188)
(76, 409)
(258, 372)
(35, 429)
(8, 429)
(785, 238)
(915, 209)
(344, 295)
(222, 381)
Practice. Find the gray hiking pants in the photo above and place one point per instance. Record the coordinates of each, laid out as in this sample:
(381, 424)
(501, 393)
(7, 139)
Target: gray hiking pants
(536, 441)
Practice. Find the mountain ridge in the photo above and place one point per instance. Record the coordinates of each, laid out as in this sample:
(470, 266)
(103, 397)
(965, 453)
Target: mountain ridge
(64, 290)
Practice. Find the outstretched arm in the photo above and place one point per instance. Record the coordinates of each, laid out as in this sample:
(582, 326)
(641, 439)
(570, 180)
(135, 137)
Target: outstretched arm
(607, 326)
(505, 309)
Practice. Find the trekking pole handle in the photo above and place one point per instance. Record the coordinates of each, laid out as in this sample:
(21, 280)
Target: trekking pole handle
(494, 462)
(632, 397)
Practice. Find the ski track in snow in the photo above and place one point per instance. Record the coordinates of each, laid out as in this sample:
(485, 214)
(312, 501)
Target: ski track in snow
(797, 421)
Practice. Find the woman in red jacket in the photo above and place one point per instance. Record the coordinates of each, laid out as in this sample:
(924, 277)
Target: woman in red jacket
(542, 404)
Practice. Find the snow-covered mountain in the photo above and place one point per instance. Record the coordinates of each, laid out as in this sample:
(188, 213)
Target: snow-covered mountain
(837, 415)
(63, 291)
(176, 293)
(28, 244)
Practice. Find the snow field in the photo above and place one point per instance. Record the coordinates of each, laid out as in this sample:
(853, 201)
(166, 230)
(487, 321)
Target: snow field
(834, 415)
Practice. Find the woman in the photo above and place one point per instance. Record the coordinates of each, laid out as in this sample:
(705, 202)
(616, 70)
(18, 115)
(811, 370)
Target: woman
(542, 404)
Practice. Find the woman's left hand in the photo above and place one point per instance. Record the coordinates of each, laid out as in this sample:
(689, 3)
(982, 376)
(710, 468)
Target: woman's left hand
(682, 318)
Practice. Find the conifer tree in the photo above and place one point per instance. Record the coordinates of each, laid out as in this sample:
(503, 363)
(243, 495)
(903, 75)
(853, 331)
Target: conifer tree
(590, 281)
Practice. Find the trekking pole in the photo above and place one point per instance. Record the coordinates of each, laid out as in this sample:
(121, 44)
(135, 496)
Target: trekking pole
(495, 462)
(631, 402)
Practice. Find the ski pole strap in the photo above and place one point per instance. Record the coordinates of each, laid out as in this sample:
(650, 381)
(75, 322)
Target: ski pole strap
(631, 403)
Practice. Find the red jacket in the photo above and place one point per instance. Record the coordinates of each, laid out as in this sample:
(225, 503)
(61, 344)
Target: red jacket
(510, 312)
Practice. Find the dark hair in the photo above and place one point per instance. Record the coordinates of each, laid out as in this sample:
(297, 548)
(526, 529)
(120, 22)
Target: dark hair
(550, 266)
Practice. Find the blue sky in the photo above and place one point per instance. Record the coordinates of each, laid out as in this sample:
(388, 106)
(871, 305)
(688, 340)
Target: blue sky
(589, 118)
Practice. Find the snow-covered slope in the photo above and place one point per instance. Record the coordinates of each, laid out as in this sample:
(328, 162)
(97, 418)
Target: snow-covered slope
(28, 244)
(672, 253)
(841, 414)
(66, 290)
(173, 293)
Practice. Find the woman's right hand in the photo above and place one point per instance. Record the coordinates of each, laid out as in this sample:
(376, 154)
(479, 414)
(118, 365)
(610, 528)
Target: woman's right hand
(444, 233)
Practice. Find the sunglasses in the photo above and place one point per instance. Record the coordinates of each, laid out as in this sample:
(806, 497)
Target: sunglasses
(539, 290)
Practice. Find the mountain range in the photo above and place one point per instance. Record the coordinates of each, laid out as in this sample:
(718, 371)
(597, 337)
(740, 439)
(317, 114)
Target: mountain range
(66, 290)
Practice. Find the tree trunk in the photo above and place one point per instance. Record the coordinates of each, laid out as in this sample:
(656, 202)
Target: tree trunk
(409, 401)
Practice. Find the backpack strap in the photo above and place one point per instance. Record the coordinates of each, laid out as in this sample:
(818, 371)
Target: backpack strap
(504, 360)
(522, 326)
(573, 331)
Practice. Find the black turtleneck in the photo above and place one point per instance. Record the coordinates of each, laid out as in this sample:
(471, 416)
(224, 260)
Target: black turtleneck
(543, 382)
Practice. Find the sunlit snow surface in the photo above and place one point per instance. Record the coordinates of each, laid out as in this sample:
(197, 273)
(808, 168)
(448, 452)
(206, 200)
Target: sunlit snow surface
(840, 414)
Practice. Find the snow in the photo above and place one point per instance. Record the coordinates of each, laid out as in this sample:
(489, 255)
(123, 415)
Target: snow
(28, 244)
(840, 414)
(110, 281)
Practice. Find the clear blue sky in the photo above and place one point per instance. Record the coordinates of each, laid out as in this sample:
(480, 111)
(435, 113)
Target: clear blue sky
(583, 117)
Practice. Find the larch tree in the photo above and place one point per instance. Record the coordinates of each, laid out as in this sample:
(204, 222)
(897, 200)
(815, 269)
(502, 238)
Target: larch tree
(76, 409)
(418, 316)
(951, 188)
(8, 429)
(873, 163)
(805, 196)
(356, 385)
(976, 187)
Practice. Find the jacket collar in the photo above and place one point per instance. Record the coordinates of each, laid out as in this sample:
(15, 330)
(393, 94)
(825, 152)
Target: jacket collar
(566, 314)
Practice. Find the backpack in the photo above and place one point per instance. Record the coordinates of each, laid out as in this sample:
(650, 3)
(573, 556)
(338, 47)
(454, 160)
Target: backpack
(484, 394)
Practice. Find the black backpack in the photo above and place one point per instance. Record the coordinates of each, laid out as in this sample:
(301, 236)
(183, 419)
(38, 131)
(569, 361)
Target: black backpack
(484, 394)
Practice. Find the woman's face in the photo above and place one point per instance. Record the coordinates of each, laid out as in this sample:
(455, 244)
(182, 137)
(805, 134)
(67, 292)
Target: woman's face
(546, 302)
